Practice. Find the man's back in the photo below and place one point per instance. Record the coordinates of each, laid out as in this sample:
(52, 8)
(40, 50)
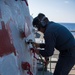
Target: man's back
(59, 36)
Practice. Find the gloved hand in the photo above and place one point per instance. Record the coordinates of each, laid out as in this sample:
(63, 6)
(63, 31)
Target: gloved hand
(36, 45)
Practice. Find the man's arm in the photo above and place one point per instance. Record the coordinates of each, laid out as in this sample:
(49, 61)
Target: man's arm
(49, 44)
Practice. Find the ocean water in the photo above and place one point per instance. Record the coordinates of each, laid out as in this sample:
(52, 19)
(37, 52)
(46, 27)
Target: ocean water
(70, 26)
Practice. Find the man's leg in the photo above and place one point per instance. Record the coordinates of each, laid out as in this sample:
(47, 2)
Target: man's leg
(64, 65)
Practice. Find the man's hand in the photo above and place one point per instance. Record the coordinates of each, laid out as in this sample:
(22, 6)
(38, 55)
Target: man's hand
(36, 45)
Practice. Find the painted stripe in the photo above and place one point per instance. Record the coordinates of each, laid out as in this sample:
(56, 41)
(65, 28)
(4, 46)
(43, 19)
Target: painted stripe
(5, 44)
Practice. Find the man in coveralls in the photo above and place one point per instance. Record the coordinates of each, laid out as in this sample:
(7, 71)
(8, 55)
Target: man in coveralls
(59, 37)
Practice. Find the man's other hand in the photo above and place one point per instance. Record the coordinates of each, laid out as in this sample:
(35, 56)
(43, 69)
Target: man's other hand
(36, 45)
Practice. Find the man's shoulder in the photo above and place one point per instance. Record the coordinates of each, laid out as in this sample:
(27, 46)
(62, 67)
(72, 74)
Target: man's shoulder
(52, 26)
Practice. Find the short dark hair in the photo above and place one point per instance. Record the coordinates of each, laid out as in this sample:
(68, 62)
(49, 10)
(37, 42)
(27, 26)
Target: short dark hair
(40, 15)
(36, 20)
(36, 23)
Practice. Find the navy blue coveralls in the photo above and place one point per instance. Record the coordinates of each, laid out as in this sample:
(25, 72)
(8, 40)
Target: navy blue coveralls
(59, 37)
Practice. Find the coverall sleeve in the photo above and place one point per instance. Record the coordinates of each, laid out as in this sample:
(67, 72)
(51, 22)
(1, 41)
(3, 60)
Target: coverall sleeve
(49, 45)
(42, 45)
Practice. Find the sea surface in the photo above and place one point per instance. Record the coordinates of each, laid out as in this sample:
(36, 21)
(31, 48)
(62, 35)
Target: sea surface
(70, 26)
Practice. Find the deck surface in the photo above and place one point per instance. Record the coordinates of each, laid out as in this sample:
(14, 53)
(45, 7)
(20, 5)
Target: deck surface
(52, 66)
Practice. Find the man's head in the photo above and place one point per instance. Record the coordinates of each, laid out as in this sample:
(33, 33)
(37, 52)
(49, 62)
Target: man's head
(40, 21)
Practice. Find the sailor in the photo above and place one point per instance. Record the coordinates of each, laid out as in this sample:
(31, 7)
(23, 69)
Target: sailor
(59, 37)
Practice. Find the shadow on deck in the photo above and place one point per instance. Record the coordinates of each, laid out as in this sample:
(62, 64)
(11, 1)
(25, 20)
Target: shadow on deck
(44, 73)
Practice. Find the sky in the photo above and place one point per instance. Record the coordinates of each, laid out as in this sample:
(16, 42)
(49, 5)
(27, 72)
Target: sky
(55, 10)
